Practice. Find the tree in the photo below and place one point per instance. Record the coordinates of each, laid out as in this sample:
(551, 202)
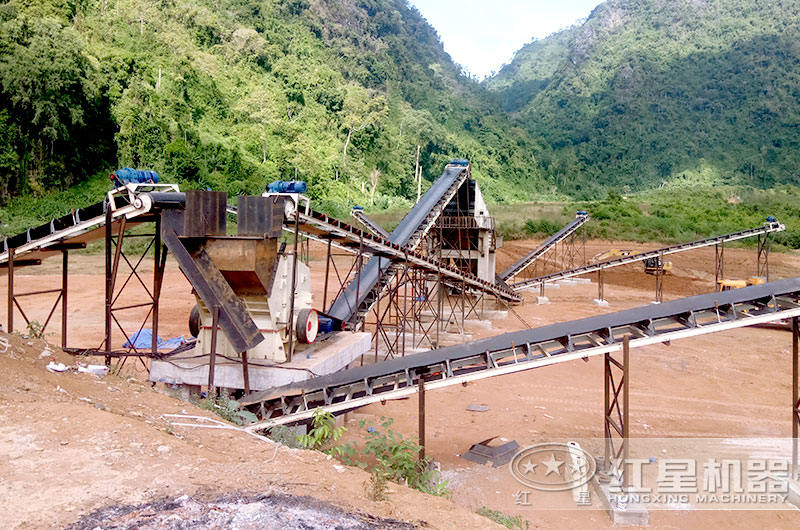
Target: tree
(360, 110)
(49, 87)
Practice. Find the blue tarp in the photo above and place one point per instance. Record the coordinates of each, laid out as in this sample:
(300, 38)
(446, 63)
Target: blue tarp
(143, 340)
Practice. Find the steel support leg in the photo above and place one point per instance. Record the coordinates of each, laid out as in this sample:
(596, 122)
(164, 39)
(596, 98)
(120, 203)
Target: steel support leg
(10, 290)
(795, 396)
(212, 357)
(109, 286)
(719, 264)
(762, 265)
(64, 277)
(616, 415)
(600, 286)
(421, 412)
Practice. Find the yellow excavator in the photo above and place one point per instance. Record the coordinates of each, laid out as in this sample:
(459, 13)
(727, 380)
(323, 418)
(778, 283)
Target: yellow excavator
(727, 284)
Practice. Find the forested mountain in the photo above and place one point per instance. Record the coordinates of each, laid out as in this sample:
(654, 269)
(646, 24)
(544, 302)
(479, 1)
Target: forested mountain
(646, 91)
(232, 94)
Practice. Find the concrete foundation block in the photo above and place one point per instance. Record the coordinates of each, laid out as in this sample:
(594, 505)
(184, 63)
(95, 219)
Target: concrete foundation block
(321, 358)
(600, 303)
(621, 512)
(542, 300)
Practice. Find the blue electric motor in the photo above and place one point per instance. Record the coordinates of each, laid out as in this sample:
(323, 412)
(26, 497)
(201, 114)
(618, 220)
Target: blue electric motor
(287, 186)
(459, 162)
(127, 175)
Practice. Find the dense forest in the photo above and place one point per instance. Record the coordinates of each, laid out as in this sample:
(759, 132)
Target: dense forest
(231, 94)
(646, 92)
(346, 94)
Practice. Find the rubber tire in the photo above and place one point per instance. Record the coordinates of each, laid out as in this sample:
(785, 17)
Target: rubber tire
(307, 326)
(194, 322)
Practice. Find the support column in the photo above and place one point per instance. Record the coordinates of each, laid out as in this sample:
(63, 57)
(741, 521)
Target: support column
(109, 285)
(616, 422)
(290, 323)
(421, 413)
(10, 290)
(795, 398)
(762, 265)
(600, 286)
(212, 357)
(64, 276)
(719, 264)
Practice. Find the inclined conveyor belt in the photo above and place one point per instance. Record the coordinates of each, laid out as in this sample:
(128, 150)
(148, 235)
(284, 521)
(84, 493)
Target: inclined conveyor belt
(357, 298)
(767, 228)
(545, 247)
(528, 349)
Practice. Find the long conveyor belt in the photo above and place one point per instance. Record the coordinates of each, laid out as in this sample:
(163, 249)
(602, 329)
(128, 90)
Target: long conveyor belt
(766, 228)
(356, 299)
(550, 243)
(525, 350)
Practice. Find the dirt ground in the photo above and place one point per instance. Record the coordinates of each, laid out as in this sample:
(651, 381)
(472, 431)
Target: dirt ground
(74, 443)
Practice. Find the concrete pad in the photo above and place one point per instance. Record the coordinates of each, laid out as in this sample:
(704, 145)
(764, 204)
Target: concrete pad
(582, 281)
(542, 300)
(621, 512)
(567, 281)
(601, 303)
(794, 493)
(322, 358)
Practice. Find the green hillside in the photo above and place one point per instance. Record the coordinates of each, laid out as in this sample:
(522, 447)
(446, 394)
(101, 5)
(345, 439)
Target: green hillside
(646, 91)
(232, 94)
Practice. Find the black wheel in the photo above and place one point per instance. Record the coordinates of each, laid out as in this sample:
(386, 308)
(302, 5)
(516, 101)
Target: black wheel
(194, 322)
(307, 325)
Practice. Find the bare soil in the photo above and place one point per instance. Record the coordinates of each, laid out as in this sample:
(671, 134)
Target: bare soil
(72, 444)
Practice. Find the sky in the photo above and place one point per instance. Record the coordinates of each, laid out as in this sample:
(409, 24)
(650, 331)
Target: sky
(481, 35)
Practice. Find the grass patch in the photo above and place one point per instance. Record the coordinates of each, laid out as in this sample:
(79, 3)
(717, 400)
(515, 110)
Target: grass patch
(513, 522)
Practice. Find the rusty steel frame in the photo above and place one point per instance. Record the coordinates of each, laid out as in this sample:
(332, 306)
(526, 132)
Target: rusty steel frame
(615, 413)
(762, 258)
(719, 264)
(114, 254)
(61, 298)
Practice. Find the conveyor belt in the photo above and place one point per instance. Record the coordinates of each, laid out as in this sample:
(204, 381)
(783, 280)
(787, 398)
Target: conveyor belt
(369, 224)
(83, 225)
(672, 249)
(525, 350)
(320, 225)
(545, 247)
(356, 299)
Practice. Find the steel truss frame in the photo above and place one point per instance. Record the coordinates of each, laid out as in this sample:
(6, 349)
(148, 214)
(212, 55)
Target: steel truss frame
(615, 413)
(115, 302)
(519, 351)
(565, 235)
(61, 299)
(762, 232)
